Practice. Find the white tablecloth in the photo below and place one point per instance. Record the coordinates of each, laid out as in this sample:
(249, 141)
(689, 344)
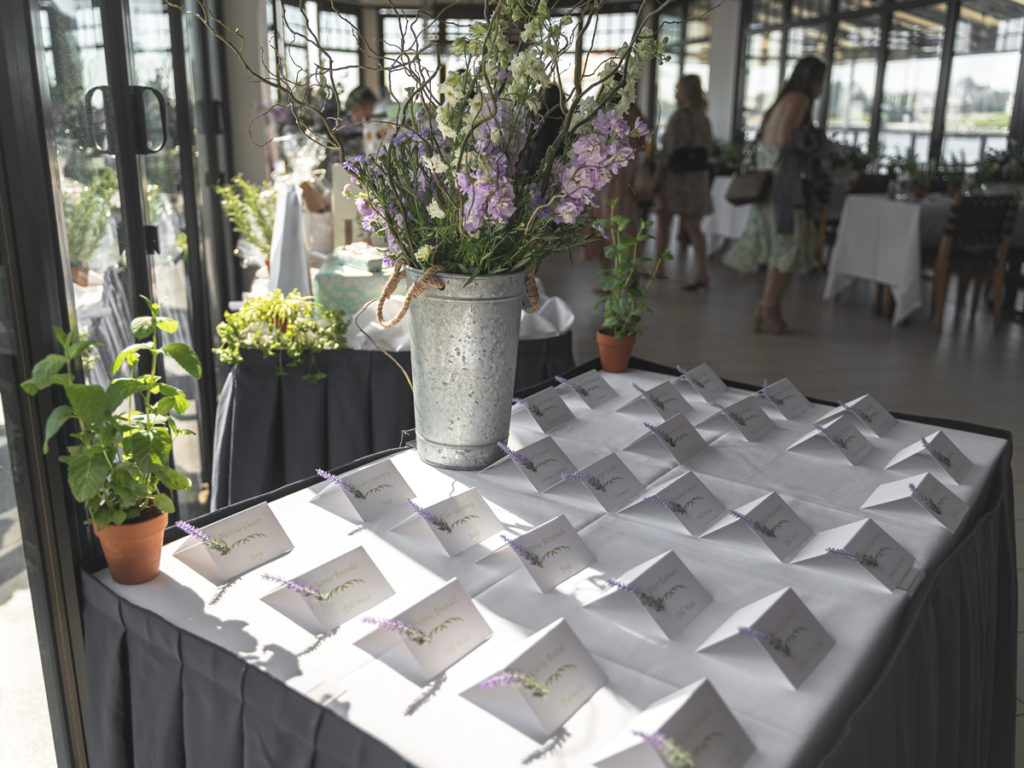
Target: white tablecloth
(434, 727)
(726, 221)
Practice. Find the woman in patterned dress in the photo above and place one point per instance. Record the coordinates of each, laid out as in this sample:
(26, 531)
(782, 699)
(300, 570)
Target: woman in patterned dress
(685, 194)
(784, 248)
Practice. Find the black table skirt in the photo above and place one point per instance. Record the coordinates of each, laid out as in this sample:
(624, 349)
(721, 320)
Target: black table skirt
(159, 696)
(272, 430)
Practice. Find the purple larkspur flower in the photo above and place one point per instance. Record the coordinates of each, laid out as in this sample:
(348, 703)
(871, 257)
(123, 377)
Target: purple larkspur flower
(434, 519)
(406, 630)
(342, 483)
(753, 524)
(917, 495)
(509, 677)
(524, 554)
(518, 458)
(197, 533)
(860, 557)
(765, 637)
(672, 506)
(943, 460)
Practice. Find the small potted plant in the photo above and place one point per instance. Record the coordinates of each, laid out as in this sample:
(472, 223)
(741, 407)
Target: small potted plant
(953, 172)
(250, 209)
(624, 285)
(87, 209)
(118, 461)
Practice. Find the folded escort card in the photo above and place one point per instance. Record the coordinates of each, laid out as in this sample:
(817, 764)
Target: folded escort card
(424, 640)
(746, 417)
(550, 553)
(226, 549)
(926, 492)
(869, 412)
(657, 598)
(322, 599)
(547, 409)
(609, 481)
(664, 399)
(590, 386)
(542, 463)
(543, 684)
(691, 727)
(936, 447)
(784, 395)
(862, 546)
(842, 434)
(703, 380)
(772, 521)
(457, 523)
(784, 628)
(686, 499)
(373, 491)
(676, 435)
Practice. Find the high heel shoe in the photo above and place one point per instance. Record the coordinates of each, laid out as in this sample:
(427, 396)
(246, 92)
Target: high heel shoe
(696, 285)
(769, 320)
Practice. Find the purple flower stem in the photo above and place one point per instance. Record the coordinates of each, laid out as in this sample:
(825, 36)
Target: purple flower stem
(342, 483)
(197, 533)
(510, 677)
(524, 554)
(918, 496)
(672, 506)
(664, 436)
(860, 557)
(435, 520)
(518, 457)
(943, 460)
(765, 637)
(408, 631)
(753, 524)
(571, 385)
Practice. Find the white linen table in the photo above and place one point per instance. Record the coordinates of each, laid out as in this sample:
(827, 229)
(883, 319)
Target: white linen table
(726, 221)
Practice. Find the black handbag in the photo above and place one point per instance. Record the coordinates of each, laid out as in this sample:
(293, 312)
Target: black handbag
(687, 159)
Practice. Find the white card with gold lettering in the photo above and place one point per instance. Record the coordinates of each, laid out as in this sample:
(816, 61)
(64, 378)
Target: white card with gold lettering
(664, 399)
(774, 524)
(373, 491)
(223, 550)
(842, 434)
(543, 684)
(659, 597)
(610, 482)
(871, 413)
(457, 522)
(590, 386)
(677, 435)
(784, 628)
(927, 492)
(784, 395)
(433, 634)
(542, 463)
(746, 417)
(703, 380)
(324, 598)
(694, 723)
(551, 552)
(547, 408)
(939, 448)
(865, 546)
(689, 501)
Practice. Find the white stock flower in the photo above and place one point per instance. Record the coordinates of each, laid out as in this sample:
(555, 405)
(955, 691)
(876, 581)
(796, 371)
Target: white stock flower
(435, 213)
(422, 254)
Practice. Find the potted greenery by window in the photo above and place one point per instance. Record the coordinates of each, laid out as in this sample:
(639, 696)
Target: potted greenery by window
(624, 285)
(118, 461)
(87, 208)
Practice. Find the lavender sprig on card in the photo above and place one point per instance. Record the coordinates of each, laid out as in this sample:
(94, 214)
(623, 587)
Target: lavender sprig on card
(917, 495)
(648, 601)
(672, 506)
(533, 409)
(518, 458)
(434, 519)
(510, 677)
(307, 591)
(692, 379)
(662, 435)
(834, 439)
(858, 412)
(655, 402)
(861, 557)
(776, 401)
(342, 483)
(589, 479)
(671, 753)
(767, 638)
(579, 390)
(406, 630)
(943, 460)
(733, 416)
(217, 545)
(761, 528)
(524, 554)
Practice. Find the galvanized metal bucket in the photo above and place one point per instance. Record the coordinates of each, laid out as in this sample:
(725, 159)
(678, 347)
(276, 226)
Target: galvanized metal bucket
(464, 342)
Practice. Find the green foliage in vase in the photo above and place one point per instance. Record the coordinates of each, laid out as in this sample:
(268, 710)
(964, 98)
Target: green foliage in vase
(250, 209)
(87, 214)
(1006, 165)
(119, 460)
(292, 328)
(624, 282)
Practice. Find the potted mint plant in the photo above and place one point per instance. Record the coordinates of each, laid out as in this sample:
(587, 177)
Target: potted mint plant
(118, 461)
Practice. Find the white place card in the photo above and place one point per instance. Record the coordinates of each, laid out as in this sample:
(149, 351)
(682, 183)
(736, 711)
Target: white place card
(694, 722)
(610, 482)
(542, 463)
(774, 523)
(784, 395)
(664, 399)
(235, 545)
(928, 493)
(324, 598)
(843, 435)
(433, 634)
(677, 435)
(704, 381)
(457, 522)
(784, 628)
(373, 491)
(863, 545)
(689, 501)
(660, 595)
(543, 685)
(870, 411)
(547, 409)
(590, 386)
(551, 552)
(938, 447)
(746, 417)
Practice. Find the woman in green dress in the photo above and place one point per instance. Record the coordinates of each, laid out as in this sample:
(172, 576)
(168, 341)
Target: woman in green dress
(780, 232)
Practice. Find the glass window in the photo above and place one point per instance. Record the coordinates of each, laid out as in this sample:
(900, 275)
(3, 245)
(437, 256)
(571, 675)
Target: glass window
(760, 78)
(672, 25)
(858, 5)
(402, 34)
(809, 9)
(601, 42)
(698, 19)
(766, 13)
(852, 82)
(339, 38)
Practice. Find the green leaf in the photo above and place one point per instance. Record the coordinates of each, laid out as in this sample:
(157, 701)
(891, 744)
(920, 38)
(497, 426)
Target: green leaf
(87, 472)
(129, 354)
(143, 327)
(89, 402)
(120, 389)
(44, 373)
(164, 503)
(54, 422)
(183, 355)
(173, 479)
(166, 324)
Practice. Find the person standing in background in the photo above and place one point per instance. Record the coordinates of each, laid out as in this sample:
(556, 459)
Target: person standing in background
(682, 179)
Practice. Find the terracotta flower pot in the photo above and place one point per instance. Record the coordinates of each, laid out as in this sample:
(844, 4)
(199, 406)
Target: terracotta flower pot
(80, 275)
(132, 550)
(614, 352)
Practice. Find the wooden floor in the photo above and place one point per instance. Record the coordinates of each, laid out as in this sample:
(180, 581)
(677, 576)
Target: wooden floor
(840, 349)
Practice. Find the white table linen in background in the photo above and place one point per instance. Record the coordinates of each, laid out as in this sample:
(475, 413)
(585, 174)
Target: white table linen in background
(726, 221)
(434, 727)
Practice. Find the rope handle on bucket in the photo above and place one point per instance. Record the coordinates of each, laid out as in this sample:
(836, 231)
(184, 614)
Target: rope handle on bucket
(427, 280)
